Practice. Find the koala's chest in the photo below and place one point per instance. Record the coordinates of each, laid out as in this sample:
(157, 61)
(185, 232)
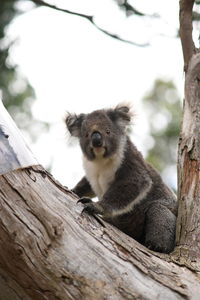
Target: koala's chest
(100, 175)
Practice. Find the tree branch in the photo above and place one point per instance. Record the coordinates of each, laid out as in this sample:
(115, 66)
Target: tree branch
(130, 9)
(185, 19)
(91, 20)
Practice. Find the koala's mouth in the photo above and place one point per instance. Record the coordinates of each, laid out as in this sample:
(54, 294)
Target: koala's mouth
(99, 151)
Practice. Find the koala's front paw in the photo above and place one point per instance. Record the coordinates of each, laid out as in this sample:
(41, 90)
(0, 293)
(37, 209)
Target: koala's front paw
(84, 200)
(90, 207)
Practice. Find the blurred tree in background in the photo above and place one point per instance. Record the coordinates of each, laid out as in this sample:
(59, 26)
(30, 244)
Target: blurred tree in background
(16, 92)
(163, 107)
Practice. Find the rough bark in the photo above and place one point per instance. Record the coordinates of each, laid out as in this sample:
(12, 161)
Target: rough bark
(188, 229)
(48, 250)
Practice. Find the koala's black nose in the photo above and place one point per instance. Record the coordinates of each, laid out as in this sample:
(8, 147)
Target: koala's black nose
(97, 139)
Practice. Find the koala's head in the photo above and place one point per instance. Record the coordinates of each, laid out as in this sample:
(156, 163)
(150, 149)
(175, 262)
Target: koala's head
(102, 132)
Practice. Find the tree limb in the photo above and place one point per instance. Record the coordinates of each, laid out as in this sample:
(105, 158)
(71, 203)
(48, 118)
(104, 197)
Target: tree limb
(48, 250)
(185, 19)
(91, 20)
(130, 9)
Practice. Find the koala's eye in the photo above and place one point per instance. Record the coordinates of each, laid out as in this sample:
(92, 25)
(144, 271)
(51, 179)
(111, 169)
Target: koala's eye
(108, 131)
(87, 134)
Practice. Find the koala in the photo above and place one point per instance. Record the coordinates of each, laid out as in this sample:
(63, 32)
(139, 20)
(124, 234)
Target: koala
(131, 194)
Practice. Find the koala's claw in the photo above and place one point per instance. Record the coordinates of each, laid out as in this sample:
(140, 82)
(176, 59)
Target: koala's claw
(89, 206)
(84, 200)
(90, 209)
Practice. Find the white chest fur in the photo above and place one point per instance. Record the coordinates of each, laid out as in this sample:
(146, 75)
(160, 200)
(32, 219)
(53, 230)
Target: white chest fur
(101, 172)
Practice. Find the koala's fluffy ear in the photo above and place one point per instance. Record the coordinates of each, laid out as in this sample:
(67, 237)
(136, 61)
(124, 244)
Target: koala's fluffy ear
(121, 115)
(74, 123)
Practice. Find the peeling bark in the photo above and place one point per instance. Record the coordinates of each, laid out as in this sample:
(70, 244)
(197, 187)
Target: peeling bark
(51, 251)
(188, 229)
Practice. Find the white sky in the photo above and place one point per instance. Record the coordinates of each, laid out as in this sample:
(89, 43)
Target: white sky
(74, 67)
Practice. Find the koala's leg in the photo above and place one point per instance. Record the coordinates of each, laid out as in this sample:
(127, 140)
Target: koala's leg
(83, 189)
(160, 227)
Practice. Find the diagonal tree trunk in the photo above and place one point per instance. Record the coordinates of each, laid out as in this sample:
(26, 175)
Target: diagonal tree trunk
(49, 251)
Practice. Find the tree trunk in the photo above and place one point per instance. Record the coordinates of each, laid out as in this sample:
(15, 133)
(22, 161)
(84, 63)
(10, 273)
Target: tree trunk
(48, 250)
(188, 224)
(188, 229)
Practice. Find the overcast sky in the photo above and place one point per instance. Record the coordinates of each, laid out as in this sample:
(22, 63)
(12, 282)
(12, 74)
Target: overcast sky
(74, 67)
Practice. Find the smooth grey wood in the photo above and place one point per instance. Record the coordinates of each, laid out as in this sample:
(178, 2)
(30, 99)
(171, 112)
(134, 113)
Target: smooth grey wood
(14, 152)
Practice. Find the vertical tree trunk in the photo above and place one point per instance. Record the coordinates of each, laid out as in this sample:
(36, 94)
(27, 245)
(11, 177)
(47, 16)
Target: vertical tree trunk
(188, 225)
(188, 230)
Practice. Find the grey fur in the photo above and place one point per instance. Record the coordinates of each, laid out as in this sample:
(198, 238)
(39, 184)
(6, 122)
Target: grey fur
(134, 198)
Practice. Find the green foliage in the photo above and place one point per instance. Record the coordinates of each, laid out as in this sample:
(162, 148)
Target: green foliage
(17, 94)
(164, 117)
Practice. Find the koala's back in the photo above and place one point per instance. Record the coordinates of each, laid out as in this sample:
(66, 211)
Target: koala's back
(136, 173)
(137, 176)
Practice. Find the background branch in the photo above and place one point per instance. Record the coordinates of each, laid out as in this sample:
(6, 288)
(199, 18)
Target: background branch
(91, 20)
(130, 10)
